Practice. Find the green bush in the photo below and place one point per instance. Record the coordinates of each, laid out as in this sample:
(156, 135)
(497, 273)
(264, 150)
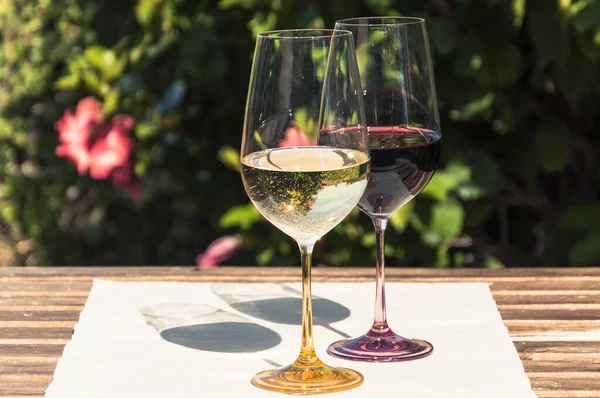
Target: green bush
(517, 87)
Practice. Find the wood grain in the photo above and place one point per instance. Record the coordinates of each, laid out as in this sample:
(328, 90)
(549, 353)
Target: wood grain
(552, 314)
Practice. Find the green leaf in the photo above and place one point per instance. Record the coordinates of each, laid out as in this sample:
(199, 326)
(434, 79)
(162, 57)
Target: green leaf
(261, 23)
(493, 262)
(145, 10)
(442, 259)
(229, 157)
(95, 55)
(474, 108)
(447, 219)
(586, 251)
(172, 97)
(106, 61)
(247, 4)
(145, 130)
(479, 175)
(581, 218)
(518, 10)
(265, 256)
(585, 14)
(446, 223)
(111, 102)
(553, 150)
(442, 183)
(242, 216)
(400, 219)
(91, 80)
(67, 82)
(369, 239)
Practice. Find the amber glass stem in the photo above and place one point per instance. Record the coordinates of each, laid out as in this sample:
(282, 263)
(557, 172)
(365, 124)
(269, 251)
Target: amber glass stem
(307, 355)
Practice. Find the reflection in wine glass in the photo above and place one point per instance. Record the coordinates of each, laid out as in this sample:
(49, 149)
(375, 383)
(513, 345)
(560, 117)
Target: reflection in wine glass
(402, 118)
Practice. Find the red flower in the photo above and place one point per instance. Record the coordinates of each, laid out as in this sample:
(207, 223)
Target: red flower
(112, 148)
(296, 137)
(75, 132)
(77, 128)
(219, 250)
(78, 153)
(103, 148)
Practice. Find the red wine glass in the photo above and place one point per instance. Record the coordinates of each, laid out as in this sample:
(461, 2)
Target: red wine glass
(396, 72)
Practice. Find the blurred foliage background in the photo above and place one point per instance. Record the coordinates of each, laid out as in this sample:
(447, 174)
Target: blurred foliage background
(519, 99)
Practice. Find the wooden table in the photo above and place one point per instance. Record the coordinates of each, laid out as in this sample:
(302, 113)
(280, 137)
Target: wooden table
(553, 315)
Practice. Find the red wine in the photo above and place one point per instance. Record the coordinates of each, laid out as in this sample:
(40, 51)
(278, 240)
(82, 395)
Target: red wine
(403, 160)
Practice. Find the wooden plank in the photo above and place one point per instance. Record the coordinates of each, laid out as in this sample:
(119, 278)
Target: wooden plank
(20, 396)
(37, 324)
(560, 366)
(39, 350)
(23, 388)
(12, 287)
(11, 377)
(565, 381)
(542, 325)
(47, 308)
(567, 394)
(35, 333)
(41, 294)
(38, 301)
(29, 342)
(545, 298)
(34, 316)
(558, 346)
(28, 365)
(575, 315)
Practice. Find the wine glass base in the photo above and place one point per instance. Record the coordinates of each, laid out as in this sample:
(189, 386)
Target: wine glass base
(307, 380)
(387, 347)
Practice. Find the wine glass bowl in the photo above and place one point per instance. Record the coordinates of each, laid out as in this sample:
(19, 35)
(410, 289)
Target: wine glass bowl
(402, 119)
(305, 165)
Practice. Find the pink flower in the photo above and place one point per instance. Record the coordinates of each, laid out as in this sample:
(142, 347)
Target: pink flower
(103, 148)
(78, 153)
(296, 137)
(75, 132)
(219, 250)
(77, 128)
(112, 148)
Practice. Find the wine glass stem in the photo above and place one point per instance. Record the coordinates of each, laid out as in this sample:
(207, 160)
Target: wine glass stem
(307, 355)
(380, 325)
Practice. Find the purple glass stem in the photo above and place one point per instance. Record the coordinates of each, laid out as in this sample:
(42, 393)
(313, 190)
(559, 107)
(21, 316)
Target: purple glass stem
(380, 326)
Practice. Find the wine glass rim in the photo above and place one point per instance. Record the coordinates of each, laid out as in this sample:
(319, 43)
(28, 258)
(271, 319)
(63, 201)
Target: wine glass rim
(370, 21)
(308, 34)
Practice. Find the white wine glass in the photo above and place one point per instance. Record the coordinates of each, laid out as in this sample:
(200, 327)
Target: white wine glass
(305, 165)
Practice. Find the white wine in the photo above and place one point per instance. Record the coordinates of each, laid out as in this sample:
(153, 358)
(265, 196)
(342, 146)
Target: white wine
(305, 191)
